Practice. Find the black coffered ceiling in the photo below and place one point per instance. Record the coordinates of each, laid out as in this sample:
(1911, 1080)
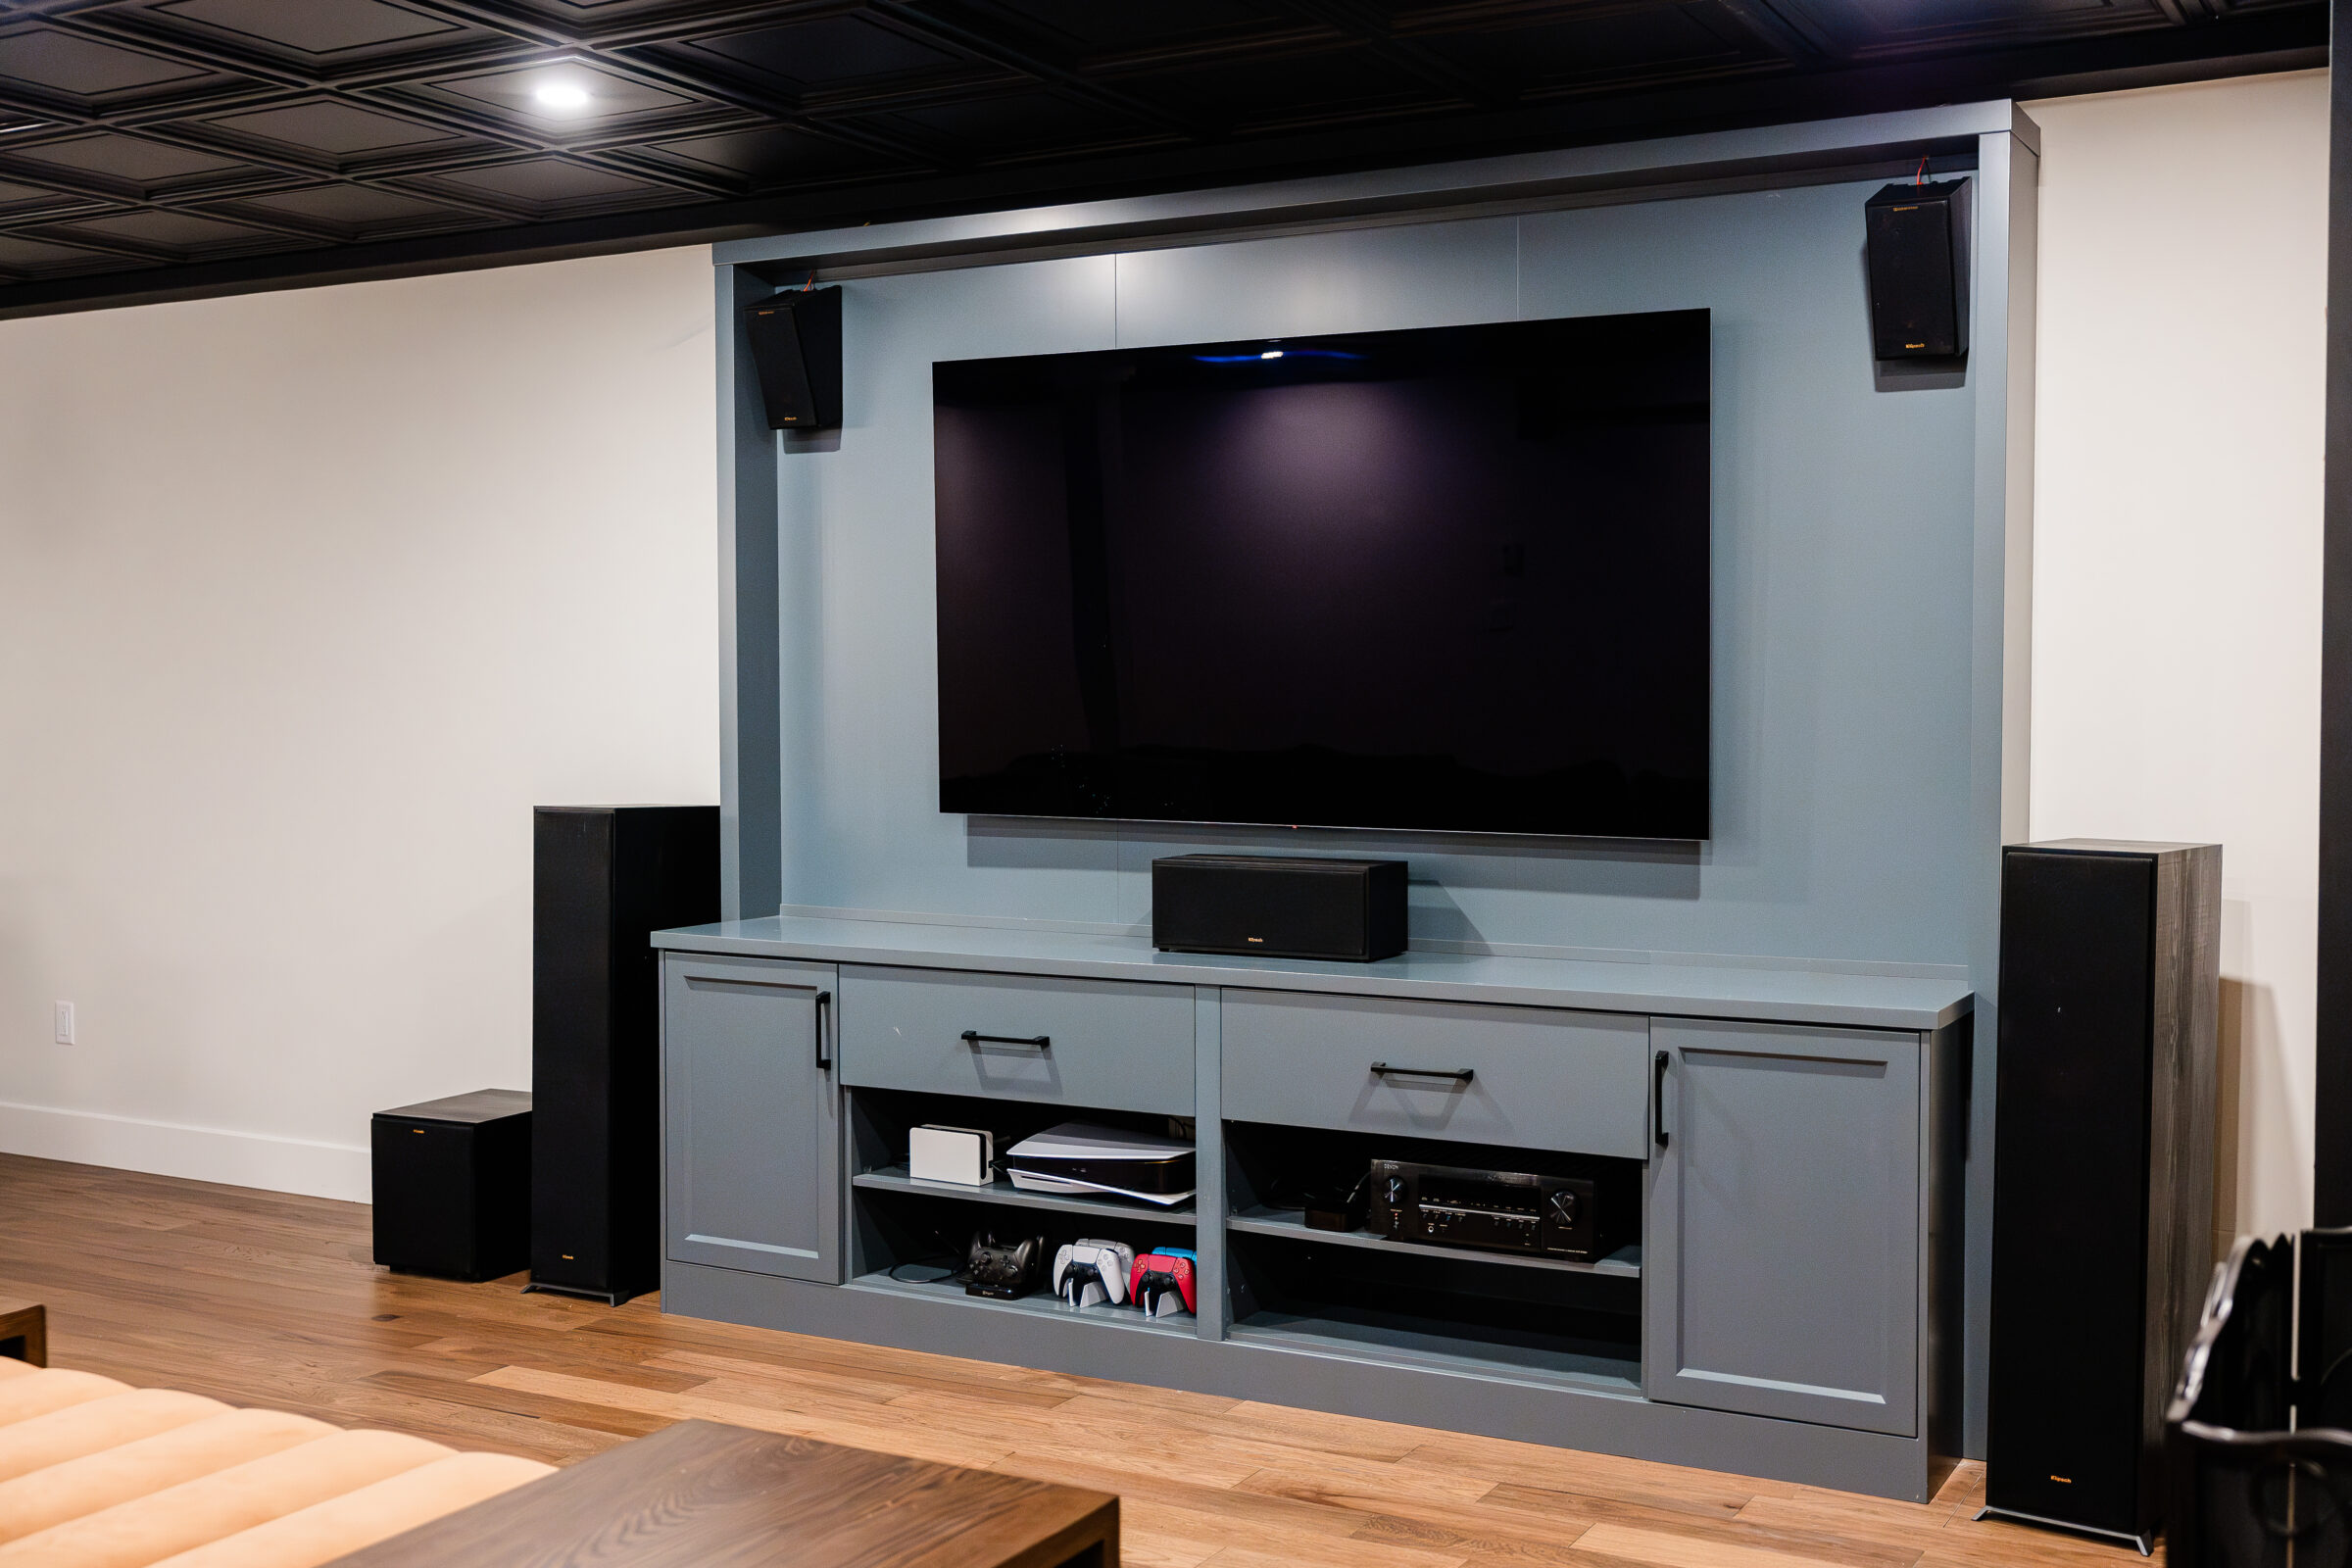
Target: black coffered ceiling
(153, 147)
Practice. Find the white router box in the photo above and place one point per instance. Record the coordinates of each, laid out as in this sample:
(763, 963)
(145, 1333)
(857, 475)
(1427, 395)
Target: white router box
(964, 1155)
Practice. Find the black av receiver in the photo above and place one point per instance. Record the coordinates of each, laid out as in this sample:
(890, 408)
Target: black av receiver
(1504, 1211)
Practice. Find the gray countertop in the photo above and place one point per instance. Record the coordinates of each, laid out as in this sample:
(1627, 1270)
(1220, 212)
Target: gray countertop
(1772, 995)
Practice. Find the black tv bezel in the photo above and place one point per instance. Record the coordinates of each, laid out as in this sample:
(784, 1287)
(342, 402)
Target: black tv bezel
(1459, 834)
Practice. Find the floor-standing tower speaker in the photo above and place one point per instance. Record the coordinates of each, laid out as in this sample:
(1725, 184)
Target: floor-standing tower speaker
(604, 878)
(2102, 1213)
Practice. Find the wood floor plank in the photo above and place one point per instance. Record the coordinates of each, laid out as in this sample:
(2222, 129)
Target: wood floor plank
(1709, 1493)
(515, 1402)
(1663, 1551)
(1484, 1544)
(808, 1418)
(263, 1299)
(1366, 1483)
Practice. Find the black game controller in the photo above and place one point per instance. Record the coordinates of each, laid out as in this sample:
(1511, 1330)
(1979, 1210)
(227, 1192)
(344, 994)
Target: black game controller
(1003, 1270)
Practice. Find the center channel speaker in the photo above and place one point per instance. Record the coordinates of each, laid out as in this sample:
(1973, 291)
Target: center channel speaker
(794, 339)
(2102, 1208)
(604, 879)
(1917, 236)
(1277, 907)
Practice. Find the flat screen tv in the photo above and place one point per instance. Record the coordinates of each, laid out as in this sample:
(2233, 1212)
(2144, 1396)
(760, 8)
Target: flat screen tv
(1450, 580)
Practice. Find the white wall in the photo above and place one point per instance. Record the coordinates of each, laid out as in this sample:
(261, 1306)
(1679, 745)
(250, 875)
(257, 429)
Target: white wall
(2176, 549)
(306, 599)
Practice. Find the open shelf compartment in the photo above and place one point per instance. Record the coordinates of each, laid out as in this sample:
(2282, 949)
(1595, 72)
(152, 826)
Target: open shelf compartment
(906, 1238)
(1451, 1310)
(880, 1118)
(1520, 1315)
(1274, 1173)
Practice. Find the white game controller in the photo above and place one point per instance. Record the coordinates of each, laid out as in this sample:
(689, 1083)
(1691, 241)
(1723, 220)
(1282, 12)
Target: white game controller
(1087, 1273)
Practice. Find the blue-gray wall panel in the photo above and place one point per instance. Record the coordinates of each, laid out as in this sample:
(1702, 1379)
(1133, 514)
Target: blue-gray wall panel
(1350, 280)
(1843, 537)
(861, 823)
(1843, 544)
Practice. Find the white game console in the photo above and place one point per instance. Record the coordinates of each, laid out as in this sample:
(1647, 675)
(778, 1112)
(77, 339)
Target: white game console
(1079, 1157)
(963, 1156)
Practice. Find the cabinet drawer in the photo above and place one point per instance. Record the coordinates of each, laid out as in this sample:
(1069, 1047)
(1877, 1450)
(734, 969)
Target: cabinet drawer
(1539, 1077)
(1114, 1044)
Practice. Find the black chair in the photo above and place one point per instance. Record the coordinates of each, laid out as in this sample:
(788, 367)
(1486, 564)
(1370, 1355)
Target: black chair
(2259, 1474)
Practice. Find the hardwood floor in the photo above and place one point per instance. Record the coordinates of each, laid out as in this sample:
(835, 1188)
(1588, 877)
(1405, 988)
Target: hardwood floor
(261, 1298)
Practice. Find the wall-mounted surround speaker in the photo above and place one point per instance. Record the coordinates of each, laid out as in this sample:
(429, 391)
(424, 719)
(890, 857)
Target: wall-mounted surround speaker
(794, 339)
(1918, 271)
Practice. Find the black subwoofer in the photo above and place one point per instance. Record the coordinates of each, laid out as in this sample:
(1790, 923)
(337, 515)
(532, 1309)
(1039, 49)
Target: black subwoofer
(452, 1185)
(2102, 1220)
(604, 878)
(1277, 907)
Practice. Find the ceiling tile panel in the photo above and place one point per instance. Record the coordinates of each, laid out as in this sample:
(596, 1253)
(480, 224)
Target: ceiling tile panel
(85, 67)
(1149, 24)
(336, 129)
(1303, 86)
(1616, 42)
(22, 252)
(312, 27)
(554, 182)
(769, 158)
(176, 231)
(359, 206)
(828, 50)
(1012, 124)
(519, 93)
(14, 199)
(116, 156)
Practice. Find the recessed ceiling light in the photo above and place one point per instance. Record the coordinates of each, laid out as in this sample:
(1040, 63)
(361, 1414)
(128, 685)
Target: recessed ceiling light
(562, 96)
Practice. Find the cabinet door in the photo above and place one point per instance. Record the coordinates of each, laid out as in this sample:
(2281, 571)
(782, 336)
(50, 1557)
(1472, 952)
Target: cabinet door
(752, 1129)
(1781, 1261)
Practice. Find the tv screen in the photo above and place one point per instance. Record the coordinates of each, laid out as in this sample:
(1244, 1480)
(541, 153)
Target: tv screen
(1448, 579)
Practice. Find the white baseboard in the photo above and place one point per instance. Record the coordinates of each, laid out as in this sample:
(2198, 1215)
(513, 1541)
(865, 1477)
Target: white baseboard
(199, 1153)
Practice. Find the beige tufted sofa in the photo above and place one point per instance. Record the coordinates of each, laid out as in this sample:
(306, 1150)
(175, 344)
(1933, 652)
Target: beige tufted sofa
(96, 1473)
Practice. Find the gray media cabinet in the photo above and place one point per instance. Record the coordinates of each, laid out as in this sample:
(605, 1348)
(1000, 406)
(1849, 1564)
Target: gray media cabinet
(1785, 1142)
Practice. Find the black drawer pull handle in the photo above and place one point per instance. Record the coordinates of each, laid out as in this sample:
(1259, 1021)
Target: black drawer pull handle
(1657, 1096)
(973, 1037)
(824, 1002)
(1460, 1075)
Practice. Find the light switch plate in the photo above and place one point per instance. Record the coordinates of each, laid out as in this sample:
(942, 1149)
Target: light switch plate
(65, 1023)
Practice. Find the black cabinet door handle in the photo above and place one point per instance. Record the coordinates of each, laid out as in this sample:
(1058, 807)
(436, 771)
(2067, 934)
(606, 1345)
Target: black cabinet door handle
(824, 1005)
(974, 1037)
(1460, 1075)
(1657, 1096)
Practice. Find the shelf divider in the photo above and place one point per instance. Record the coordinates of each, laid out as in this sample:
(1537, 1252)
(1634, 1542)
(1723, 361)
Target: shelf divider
(1126, 1317)
(1291, 1225)
(893, 1179)
(1427, 1346)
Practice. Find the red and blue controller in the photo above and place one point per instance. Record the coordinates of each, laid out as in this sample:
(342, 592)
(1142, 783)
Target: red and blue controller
(1162, 1283)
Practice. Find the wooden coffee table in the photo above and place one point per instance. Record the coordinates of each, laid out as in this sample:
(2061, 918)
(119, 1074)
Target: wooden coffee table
(719, 1497)
(24, 1331)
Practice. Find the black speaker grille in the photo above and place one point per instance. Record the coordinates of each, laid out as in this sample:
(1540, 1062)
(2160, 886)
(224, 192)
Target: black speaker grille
(1917, 310)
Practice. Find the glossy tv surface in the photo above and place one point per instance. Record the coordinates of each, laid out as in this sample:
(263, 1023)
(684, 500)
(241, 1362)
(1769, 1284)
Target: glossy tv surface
(1450, 580)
